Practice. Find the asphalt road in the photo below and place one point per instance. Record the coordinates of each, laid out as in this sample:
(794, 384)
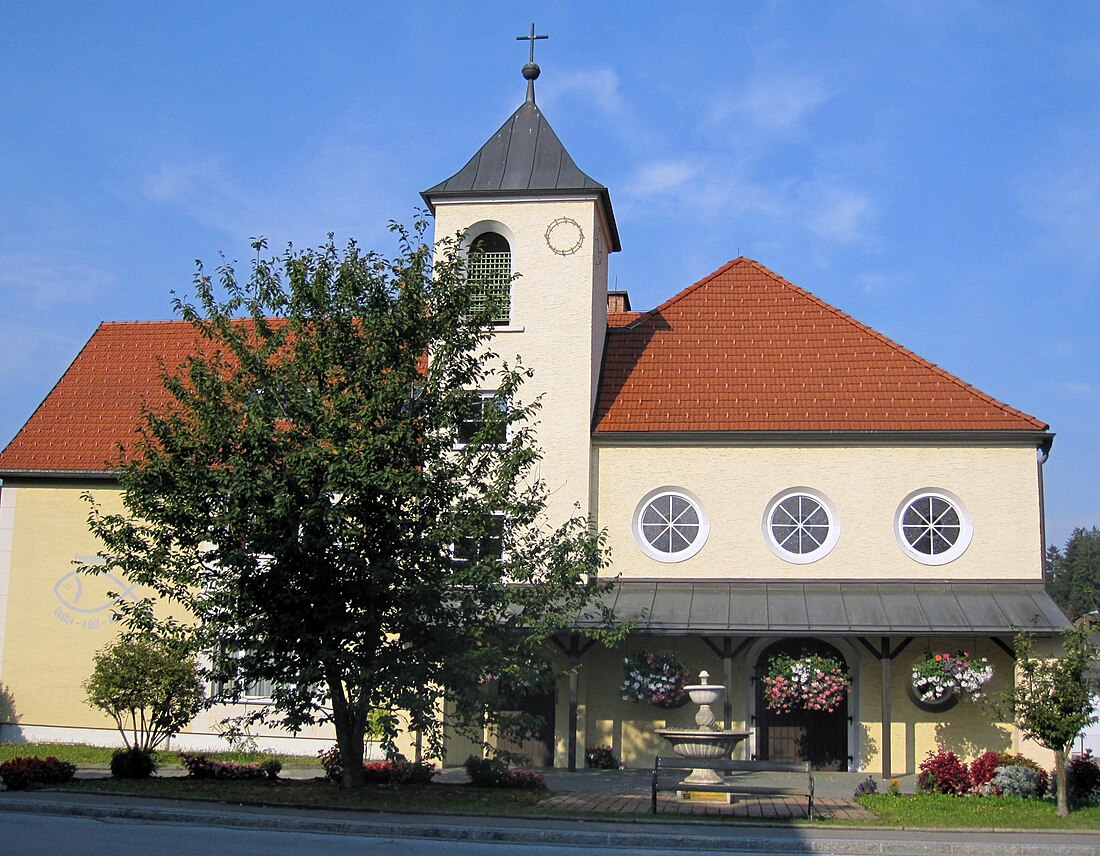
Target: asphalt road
(30, 835)
(39, 822)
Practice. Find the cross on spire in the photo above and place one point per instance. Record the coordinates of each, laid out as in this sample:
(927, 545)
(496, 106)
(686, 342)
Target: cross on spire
(531, 70)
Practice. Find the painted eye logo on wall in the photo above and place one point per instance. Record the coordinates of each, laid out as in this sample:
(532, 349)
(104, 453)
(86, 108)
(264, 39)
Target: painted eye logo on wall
(86, 600)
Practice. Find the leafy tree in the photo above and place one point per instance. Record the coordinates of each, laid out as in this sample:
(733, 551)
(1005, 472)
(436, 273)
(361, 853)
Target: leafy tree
(332, 504)
(1073, 575)
(1051, 702)
(150, 687)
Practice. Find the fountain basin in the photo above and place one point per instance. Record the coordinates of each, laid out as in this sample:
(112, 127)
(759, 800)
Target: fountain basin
(705, 693)
(696, 743)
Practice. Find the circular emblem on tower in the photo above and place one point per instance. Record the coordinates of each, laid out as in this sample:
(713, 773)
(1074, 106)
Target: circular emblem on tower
(564, 236)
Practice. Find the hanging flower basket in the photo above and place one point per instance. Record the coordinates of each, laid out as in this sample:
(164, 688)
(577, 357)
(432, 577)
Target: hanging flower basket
(941, 675)
(805, 683)
(657, 678)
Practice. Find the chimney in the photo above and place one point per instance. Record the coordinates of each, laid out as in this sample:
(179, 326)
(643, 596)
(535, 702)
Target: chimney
(618, 301)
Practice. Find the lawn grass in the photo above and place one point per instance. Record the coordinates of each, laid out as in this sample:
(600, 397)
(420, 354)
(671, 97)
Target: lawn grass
(320, 793)
(83, 755)
(951, 812)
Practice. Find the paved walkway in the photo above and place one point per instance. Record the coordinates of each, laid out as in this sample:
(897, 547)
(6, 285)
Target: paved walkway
(627, 792)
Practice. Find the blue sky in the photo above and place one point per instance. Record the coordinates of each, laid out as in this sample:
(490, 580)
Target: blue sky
(930, 168)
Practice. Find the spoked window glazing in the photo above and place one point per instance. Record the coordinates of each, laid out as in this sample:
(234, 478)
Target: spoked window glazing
(932, 526)
(670, 525)
(800, 525)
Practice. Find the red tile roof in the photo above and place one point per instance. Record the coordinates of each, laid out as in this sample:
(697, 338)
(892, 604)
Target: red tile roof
(741, 350)
(96, 403)
(745, 350)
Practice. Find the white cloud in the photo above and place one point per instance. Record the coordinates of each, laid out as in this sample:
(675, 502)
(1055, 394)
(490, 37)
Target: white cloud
(33, 355)
(35, 282)
(1064, 197)
(599, 87)
(769, 103)
(662, 177)
(835, 212)
(343, 186)
(1078, 388)
(874, 282)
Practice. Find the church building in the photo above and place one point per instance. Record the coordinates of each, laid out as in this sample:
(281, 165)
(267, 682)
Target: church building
(774, 477)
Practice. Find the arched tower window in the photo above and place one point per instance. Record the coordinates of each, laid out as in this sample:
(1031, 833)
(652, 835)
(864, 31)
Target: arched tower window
(490, 267)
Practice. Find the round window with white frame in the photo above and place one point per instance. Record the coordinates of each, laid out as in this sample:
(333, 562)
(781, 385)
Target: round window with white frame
(800, 525)
(932, 526)
(670, 524)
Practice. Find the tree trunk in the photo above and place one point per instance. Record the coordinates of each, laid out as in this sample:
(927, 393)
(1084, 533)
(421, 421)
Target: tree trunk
(350, 733)
(1062, 809)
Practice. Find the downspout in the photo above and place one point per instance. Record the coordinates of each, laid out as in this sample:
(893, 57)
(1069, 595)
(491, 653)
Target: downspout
(1044, 453)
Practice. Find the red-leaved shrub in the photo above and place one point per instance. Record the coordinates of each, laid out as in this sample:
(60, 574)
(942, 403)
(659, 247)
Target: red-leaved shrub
(18, 774)
(943, 773)
(1082, 776)
(984, 767)
(523, 779)
(396, 771)
(200, 766)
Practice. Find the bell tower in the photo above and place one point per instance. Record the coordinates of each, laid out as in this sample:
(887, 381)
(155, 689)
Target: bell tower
(534, 214)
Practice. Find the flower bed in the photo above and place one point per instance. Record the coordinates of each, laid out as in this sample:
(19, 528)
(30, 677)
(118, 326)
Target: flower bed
(200, 766)
(939, 676)
(395, 771)
(18, 774)
(659, 679)
(812, 682)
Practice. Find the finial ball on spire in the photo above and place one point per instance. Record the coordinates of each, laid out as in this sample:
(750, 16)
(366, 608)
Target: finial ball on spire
(531, 71)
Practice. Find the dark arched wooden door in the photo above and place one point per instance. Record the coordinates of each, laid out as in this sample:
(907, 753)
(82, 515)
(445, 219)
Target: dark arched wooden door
(801, 735)
(538, 748)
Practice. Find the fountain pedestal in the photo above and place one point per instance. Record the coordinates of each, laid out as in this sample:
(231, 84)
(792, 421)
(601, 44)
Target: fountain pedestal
(705, 741)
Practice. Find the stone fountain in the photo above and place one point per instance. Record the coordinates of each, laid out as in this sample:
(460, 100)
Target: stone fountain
(705, 741)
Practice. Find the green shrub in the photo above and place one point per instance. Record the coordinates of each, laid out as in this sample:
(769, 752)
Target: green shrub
(494, 773)
(18, 774)
(485, 772)
(1016, 781)
(132, 764)
(271, 767)
(1010, 760)
(331, 763)
(600, 758)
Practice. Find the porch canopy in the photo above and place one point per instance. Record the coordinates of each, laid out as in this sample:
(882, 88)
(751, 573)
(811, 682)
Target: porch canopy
(835, 608)
(884, 617)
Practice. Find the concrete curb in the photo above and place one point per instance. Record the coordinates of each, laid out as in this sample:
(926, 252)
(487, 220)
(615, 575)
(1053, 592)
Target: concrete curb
(653, 835)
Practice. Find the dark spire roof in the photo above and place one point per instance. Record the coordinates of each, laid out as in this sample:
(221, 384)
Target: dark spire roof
(525, 156)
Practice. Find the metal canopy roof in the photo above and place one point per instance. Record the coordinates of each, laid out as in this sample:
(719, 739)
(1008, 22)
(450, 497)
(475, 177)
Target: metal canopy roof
(831, 608)
(524, 156)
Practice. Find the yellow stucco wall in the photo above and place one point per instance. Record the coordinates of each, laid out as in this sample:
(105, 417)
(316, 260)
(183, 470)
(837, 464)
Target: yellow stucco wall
(866, 484)
(54, 620)
(554, 301)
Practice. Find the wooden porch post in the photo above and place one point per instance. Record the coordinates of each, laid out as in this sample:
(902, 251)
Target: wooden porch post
(727, 677)
(885, 657)
(574, 661)
(884, 660)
